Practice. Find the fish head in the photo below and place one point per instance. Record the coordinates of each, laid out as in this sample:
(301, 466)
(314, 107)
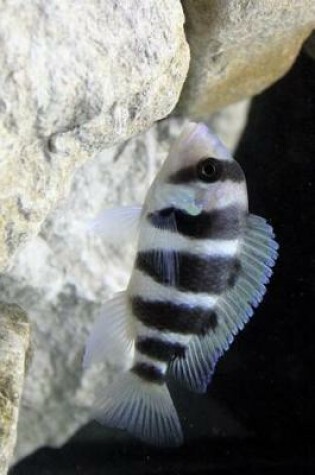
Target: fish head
(199, 173)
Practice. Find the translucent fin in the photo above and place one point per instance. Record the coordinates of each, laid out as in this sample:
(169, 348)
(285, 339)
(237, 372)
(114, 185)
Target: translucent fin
(144, 409)
(166, 261)
(112, 337)
(117, 224)
(234, 308)
(166, 265)
(195, 370)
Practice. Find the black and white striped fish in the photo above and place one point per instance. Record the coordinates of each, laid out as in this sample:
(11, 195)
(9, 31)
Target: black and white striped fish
(201, 267)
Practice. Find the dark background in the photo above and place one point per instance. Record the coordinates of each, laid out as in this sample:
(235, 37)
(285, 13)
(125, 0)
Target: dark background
(258, 416)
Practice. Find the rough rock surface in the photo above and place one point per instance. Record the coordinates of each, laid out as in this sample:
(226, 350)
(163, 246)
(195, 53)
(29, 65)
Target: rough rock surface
(75, 78)
(239, 47)
(62, 276)
(14, 346)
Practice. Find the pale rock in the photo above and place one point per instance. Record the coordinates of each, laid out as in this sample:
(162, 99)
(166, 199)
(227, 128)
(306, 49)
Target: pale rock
(239, 47)
(62, 276)
(14, 351)
(76, 77)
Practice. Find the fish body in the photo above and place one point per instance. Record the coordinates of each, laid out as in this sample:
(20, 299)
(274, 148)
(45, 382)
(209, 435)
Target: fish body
(201, 266)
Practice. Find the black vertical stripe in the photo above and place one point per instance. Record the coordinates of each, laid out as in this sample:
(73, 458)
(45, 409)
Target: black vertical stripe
(149, 373)
(229, 170)
(194, 273)
(177, 318)
(225, 223)
(159, 349)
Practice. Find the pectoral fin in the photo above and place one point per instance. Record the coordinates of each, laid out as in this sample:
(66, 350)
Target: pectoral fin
(117, 225)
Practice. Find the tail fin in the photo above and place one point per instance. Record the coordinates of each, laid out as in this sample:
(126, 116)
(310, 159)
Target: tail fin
(144, 409)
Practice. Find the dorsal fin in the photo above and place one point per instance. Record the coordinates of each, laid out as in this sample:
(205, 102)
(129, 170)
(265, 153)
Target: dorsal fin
(234, 308)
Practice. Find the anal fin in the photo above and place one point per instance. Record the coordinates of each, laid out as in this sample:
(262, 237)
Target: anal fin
(111, 339)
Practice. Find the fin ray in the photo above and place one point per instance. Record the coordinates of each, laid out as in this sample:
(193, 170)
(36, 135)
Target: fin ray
(144, 409)
(234, 308)
(117, 224)
(111, 339)
(166, 261)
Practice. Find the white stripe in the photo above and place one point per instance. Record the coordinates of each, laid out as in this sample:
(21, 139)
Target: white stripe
(144, 286)
(226, 193)
(168, 337)
(153, 238)
(140, 358)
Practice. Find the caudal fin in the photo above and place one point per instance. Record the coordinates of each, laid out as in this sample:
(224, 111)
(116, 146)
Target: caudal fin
(144, 409)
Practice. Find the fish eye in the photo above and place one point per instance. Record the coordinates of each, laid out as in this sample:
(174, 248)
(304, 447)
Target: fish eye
(208, 170)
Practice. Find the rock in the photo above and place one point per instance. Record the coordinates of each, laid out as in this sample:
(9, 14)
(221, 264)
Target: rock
(75, 79)
(62, 276)
(238, 48)
(14, 345)
(309, 46)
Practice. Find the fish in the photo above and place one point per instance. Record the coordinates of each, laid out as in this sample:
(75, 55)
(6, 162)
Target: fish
(201, 266)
